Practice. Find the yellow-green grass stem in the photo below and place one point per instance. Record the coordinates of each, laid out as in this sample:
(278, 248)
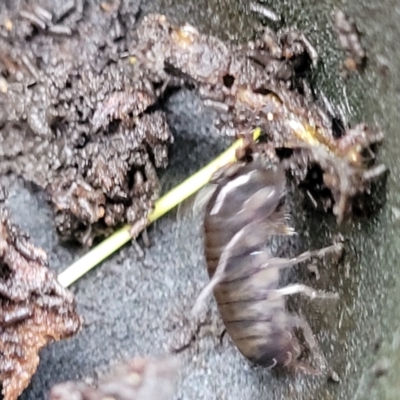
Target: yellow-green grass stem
(163, 205)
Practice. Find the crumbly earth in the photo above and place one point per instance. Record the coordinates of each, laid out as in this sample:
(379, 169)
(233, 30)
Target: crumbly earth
(138, 379)
(350, 41)
(84, 96)
(127, 300)
(258, 84)
(34, 309)
(77, 119)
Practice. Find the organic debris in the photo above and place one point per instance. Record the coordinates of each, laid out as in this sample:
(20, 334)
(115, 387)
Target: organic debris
(34, 309)
(350, 41)
(81, 114)
(139, 379)
(258, 85)
(78, 119)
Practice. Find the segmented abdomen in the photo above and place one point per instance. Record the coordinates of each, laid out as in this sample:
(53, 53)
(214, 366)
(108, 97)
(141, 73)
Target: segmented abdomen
(244, 210)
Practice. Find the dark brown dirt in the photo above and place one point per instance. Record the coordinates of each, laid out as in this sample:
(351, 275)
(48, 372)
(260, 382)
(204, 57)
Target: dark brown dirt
(81, 91)
(138, 379)
(77, 119)
(263, 83)
(350, 40)
(140, 325)
(34, 309)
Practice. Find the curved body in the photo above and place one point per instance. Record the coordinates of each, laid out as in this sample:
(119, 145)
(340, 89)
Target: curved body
(245, 209)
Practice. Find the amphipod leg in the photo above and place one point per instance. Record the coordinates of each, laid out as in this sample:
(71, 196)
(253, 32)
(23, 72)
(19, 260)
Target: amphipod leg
(297, 321)
(221, 337)
(321, 365)
(303, 289)
(219, 274)
(298, 287)
(286, 262)
(262, 260)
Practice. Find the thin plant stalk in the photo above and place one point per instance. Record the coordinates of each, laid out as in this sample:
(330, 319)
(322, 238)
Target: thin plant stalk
(163, 205)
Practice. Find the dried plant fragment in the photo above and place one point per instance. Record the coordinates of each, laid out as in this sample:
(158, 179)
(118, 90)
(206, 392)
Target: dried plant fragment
(349, 39)
(34, 309)
(139, 379)
(257, 85)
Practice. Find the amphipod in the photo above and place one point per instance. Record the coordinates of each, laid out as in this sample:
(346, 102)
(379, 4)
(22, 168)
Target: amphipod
(246, 207)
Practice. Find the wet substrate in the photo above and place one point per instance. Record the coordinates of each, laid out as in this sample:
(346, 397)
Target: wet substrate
(84, 95)
(126, 299)
(35, 309)
(78, 119)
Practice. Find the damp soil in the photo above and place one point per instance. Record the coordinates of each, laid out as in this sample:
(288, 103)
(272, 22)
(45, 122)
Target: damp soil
(79, 120)
(133, 303)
